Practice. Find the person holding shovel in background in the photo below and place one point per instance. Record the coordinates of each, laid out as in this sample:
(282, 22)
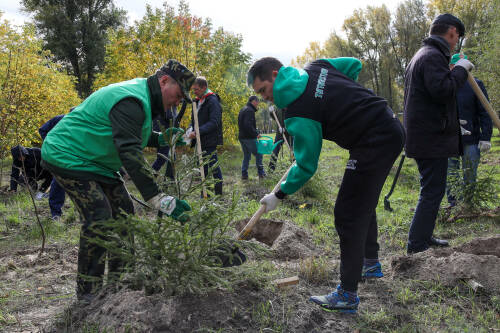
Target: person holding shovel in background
(210, 126)
(323, 101)
(432, 123)
(480, 126)
(86, 149)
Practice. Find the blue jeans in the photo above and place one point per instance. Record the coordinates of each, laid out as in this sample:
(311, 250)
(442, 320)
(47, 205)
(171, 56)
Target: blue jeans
(470, 162)
(56, 198)
(249, 147)
(432, 189)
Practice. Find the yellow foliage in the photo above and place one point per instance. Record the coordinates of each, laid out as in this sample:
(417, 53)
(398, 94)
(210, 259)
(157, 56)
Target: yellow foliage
(33, 89)
(139, 50)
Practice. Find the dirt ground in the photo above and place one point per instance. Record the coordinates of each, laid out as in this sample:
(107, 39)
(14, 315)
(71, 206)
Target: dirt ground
(48, 291)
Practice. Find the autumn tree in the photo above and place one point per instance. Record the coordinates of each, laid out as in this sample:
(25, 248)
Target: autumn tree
(76, 34)
(33, 88)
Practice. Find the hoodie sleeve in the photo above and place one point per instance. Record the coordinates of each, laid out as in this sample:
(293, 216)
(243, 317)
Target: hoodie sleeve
(308, 140)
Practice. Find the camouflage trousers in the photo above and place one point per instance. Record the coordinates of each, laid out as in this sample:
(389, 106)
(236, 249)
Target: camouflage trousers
(97, 203)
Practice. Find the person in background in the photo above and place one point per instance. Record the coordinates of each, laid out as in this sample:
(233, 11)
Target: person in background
(56, 193)
(432, 123)
(210, 126)
(248, 137)
(479, 125)
(27, 170)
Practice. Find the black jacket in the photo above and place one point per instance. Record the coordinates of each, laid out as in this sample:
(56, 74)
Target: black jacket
(246, 122)
(430, 112)
(470, 109)
(347, 109)
(209, 121)
(32, 168)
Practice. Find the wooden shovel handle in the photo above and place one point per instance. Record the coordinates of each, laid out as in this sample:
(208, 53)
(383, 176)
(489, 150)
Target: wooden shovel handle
(484, 100)
(256, 217)
(198, 148)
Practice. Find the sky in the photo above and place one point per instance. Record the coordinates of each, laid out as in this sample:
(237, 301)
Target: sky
(279, 28)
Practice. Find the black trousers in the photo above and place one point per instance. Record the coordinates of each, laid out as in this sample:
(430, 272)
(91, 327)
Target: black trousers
(432, 190)
(355, 218)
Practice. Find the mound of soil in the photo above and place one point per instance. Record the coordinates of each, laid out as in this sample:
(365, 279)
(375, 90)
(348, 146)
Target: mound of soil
(293, 243)
(133, 311)
(478, 260)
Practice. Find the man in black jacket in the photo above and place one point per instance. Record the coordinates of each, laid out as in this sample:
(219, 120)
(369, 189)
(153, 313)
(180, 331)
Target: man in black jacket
(431, 122)
(479, 125)
(26, 169)
(210, 126)
(248, 137)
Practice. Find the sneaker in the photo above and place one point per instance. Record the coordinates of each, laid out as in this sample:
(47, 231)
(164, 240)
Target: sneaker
(56, 218)
(338, 301)
(372, 272)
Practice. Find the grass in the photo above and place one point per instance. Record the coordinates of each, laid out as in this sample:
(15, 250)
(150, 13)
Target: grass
(406, 306)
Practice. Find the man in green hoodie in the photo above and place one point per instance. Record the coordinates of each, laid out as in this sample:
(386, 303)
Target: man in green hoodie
(323, 101)
(88, 147)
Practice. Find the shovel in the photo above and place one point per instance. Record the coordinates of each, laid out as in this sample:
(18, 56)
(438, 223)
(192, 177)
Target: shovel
(271, 232)
(266, 232)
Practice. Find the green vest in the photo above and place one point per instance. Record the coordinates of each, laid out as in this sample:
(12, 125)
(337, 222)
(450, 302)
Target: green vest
(82, 140)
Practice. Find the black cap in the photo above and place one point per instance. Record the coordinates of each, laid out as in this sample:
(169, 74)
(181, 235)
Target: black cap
(183, 76)
(18, 151)
(449, 19)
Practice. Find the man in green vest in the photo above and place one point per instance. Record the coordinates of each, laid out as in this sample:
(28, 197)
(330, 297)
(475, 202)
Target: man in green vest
(87, 148)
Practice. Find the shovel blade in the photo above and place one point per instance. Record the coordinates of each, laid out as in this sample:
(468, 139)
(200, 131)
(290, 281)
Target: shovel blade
(265, 231)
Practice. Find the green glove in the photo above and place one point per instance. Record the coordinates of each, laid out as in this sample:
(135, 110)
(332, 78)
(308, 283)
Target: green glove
(171, 206)
(179, 213)
(171, 132)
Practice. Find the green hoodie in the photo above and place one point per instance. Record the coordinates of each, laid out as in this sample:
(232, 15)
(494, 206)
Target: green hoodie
(289, 85)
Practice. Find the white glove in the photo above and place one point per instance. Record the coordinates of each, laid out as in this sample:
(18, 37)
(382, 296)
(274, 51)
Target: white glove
(484, 146)
(281, 130)
(271, 108)
(171, 206)
(271, 201)
(162, 202)
(465, 64)
(39, 195)
(463, 131)
(186, 135)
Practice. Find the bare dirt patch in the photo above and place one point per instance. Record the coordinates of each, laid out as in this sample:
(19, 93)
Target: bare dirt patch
(478, 260)
(34, 290)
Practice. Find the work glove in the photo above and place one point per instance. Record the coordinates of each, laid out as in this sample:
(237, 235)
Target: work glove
(465, 64)
(281, 130)
(39, 195)
(171, 206)
(463, 131)
(484, 146)
(171, 132)
(271, 201)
